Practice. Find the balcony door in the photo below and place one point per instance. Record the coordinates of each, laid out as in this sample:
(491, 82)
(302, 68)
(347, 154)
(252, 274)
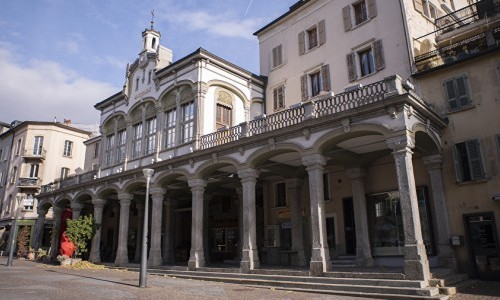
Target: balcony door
(38, 145)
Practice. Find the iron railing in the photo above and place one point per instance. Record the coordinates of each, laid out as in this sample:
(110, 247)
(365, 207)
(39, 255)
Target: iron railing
(68, 181)
(29, 182)
(464, 16)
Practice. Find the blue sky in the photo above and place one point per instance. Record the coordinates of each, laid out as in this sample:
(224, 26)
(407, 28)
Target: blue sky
(58, 57)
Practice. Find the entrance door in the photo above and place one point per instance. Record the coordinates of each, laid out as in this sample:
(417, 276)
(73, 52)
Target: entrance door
(331, 235)
(350, 232)
(483, 245)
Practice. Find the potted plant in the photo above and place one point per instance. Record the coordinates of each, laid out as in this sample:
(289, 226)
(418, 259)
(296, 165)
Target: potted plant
(79, 232)
(64, 260)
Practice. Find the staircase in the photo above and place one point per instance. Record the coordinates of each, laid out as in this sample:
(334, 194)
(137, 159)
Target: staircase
(351, 282)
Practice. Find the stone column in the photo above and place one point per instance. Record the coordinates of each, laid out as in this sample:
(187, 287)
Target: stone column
(116, 226)
(140, 223)
(39, 226)
(54, 240)
(239, 192)
(156, 214)
(197, 257)
(320, 256)
(416, 265)
(363, 250)
(206, 213)
(76, 208)
(122, 251)
(249, 254)
(95, 251)
(446, 255)
(168, 240)
(293, 188)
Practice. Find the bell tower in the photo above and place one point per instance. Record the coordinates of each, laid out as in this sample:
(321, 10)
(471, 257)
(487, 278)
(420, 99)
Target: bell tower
(151, 38)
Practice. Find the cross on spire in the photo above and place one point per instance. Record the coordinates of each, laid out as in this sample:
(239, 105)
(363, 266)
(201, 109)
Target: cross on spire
(152, 18)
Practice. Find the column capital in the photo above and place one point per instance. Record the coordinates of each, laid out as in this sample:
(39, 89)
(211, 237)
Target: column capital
(197, 184)
(400, 143)
(356, 173)
(76, 206)
(293, 183)
(314, 161)
(433, 162)
(99, 203)
(157, 191)
(125, 196)
(248, 174)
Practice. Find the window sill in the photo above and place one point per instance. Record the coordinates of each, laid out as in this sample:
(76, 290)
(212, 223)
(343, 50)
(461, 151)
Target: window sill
(367, 75)
(360, 24)
(470, 106)
(277, 67)
(312, 49)
(67, 156)
(463, 183)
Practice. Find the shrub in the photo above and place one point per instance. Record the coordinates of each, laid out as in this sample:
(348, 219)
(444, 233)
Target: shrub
(79, 232)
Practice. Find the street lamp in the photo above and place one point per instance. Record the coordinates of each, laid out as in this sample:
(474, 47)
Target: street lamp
(148, 173)
(13, 233)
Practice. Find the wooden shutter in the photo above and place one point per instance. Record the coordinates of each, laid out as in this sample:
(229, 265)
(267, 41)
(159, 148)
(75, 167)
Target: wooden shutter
(418, 5)
(325, 78)
(456, 161)
(321, 32)
(351, 67)
(346, 15)
(277, 56)
(462, 91)
(303, 87)
(302, 43)
(451, 94)
(475, 161)
(378, 55)
(372, 9)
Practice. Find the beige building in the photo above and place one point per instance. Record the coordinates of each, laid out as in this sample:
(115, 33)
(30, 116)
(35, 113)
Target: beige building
(340, 158)
(35, 154)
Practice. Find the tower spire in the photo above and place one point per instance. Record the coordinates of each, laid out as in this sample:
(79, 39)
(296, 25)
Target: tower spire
(152, 18)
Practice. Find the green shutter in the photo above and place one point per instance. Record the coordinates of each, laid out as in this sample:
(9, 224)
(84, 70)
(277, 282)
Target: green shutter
(475, 161)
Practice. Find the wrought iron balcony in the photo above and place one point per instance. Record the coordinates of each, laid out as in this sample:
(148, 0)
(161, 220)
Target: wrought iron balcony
(35, 153)
(29, 182)
(477, 11)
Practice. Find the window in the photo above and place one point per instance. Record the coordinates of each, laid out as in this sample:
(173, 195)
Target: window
(457, 92)
(122, 141)
(96, 150)
(369, 59)
(28, 202)
(1, 180)
(68, 147)
(187, 122)
(279, 98)
(38, 145)
(314, 82)
(110, 146)
(14, 175)
(18, 147)
(150, 135)
(468, 161)
(358, 13)
(34, 170)
(223, 116)
(280, 194)
(171, 117)
(426, 8)
(64, 173)
(137, 84)
(137, 140)
(313, 37)
(366, 62)
(326, 187)
(277, 56)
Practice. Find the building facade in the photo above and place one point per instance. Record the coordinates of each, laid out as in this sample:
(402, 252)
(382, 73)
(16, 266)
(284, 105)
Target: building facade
(330, 154)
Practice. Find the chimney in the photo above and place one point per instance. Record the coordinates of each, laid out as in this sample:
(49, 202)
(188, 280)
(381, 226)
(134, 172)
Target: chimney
(67, 122)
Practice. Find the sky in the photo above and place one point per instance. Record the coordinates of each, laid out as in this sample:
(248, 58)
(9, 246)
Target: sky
(58, 58)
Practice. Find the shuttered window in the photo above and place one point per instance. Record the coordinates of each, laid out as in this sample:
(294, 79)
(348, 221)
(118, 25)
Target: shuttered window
(314, 82)
(279, 98)
(277, 56)
(457, 92)
(358, 13)
(313, 37)
(468, 161)
(365, 61)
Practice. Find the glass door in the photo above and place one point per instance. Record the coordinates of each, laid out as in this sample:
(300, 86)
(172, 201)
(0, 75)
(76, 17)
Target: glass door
(38, 145)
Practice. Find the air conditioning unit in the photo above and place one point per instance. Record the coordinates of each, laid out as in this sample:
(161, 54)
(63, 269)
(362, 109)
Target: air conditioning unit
(353, 88)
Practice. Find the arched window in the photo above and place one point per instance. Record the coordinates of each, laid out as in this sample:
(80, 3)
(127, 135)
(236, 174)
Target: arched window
(153, 43)
(223, 113)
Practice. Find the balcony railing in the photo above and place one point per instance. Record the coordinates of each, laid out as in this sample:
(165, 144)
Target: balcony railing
(29, 182)
(35, 153)
(464, 16)
(470, 47)
(313, 109)
(68, 181)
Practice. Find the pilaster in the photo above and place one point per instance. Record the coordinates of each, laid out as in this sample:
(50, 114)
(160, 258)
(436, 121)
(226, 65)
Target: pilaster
(122, 251)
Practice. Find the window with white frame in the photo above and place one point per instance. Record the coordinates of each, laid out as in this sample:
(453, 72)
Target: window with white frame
(29, 202)
(280, 194)
(315, 81)
(171, 117)
(312, 37)
(137, 140)
(187, 122)
(277, 59)
(457, 92)
(68, 148)
(110, 149)
(279, 98)
(358, 13)
(150, 135)
(223, 116)
(366, 60)
(34, 170)
(121, 145)
(468, 161)
(38, 145)
(64, 173)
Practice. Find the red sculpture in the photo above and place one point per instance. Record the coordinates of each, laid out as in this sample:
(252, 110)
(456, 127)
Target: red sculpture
(67, 247)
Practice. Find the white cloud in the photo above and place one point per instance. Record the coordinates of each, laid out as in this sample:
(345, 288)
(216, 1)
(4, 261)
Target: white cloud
(41, 90)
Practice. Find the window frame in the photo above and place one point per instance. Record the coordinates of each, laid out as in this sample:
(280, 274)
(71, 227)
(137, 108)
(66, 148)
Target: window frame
(170, 128)
(38, 145)
(312, 39)
(18, 147)
(223, 116)
(279, 92)
(121, 143)
(187, 121)
(150, 136)
(68, 148)
(364, 9)
(468, 92)
(137, 134)
(64, 173)
(110, 146)
(34, 169)
(464, 164)
(314, 82)
(96, 149)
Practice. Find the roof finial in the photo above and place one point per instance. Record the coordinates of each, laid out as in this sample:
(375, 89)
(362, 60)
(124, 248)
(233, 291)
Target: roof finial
(152, 18)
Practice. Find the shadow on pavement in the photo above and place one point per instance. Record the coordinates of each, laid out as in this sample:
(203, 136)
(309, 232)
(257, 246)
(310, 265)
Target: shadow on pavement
(99, 279)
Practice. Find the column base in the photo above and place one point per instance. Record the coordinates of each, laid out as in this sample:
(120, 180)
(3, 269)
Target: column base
(95, 257)
(318, 268)
(196, 260)
(417, 270)
(121, 258)
(154, 258)
(249, 261)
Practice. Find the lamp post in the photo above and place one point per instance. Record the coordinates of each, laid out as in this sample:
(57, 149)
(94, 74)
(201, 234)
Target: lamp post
(148, 173)
(13, 234)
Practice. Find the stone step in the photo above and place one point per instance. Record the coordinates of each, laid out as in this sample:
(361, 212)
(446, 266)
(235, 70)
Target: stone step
(366, 275)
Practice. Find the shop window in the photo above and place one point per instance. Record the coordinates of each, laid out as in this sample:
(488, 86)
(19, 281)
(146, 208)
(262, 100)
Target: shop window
(280, 194)
(468, 161)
